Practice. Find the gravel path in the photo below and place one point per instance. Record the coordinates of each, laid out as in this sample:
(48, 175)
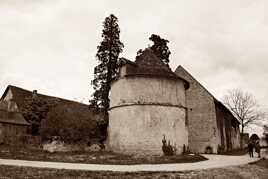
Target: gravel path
(215, 161)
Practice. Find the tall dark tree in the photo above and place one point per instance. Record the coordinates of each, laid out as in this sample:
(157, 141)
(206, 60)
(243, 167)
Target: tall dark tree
(107, 56)
(160, 48)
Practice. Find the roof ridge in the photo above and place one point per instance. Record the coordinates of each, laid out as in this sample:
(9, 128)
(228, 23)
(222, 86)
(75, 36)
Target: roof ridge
(149, 59)
(215, 99)
(44, 95)
(180, 66)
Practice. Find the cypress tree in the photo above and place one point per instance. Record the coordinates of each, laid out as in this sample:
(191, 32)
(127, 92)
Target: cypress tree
(107, 55)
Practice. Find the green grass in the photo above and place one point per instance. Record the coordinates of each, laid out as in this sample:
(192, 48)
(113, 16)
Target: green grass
(237, 152)
(102, 157)
(263, 163)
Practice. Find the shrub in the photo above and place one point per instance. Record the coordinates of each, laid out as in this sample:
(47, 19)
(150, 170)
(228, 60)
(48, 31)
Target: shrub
(220, 149)
(73, 123)
(168, 149)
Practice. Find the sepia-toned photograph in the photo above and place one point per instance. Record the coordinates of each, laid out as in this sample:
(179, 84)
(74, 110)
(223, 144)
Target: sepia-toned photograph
(133, 89)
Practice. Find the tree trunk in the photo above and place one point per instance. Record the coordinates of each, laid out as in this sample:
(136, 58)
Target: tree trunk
(242, 136)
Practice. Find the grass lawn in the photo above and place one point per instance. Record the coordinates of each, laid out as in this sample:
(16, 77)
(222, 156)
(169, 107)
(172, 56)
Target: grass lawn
(236, 152)
(102, 157)
(262, 163)
(256, 170)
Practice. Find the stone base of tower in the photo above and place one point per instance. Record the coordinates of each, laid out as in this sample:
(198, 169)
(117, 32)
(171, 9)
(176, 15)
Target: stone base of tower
(139, 129)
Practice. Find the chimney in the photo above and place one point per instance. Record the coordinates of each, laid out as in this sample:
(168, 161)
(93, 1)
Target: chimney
(34, 93)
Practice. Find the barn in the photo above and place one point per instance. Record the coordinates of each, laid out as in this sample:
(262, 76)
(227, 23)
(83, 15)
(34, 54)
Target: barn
(212, 127)
(13, 126)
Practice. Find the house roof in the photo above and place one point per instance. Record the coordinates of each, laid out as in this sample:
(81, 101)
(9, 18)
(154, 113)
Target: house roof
(148, 64)
(20, 95)
(217, 102)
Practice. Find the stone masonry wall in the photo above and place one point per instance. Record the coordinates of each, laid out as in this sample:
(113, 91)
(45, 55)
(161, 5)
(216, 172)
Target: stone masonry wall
(143, 109)
(140, 129)
(203, 131)
(229, 133)
(140, 90)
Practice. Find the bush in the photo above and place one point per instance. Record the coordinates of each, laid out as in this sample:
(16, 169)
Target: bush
(220, 149)
(73, 123)
(168, 149)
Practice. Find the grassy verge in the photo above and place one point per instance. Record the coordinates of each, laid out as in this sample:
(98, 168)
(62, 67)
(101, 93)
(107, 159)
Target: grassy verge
(261, 163)
(237, 152)
(102, 157)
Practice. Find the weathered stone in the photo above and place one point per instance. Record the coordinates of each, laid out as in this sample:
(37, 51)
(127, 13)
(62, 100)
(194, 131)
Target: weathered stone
(144, 107)
(210, 124)
(94, 148)
(55, 146)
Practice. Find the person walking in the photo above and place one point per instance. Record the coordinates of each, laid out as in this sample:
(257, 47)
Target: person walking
(258, 148)
(250, 149)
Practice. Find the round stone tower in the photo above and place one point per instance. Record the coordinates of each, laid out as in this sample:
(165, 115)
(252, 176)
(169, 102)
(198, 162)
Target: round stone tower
(147, 102)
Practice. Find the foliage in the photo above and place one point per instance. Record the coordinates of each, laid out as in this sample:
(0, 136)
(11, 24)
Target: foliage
(220, 149)
(168, 149)
(72, 123)
(265, 133)
(35, 110)
(107, 56)
(159, 48)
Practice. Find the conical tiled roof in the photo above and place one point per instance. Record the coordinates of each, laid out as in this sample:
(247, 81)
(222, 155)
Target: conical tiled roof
(148, 64)
(150, 60)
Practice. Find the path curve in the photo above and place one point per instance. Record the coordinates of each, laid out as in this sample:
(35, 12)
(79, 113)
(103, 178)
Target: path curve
(215, 161)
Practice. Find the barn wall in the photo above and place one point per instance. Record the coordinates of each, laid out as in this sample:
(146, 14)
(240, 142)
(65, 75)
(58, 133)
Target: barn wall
(12, 106)
(221, 129)
(203, 130)
(229, 129)
(12, 133)
(142, 111)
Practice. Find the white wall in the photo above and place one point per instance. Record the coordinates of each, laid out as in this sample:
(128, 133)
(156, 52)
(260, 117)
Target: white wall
(12, 106)
(140, 129)
(147, 90)
(142, 111)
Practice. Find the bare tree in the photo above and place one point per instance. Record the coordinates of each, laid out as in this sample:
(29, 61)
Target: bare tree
(244, 107)
(265, 133)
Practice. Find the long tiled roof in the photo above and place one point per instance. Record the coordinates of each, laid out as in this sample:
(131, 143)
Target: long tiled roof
(217, 102)
(20, 95)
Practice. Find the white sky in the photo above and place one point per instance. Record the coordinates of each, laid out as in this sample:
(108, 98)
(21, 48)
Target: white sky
(50, 45)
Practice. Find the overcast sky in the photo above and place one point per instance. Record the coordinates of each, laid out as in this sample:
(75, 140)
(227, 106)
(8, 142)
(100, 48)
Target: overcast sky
(50, 45)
